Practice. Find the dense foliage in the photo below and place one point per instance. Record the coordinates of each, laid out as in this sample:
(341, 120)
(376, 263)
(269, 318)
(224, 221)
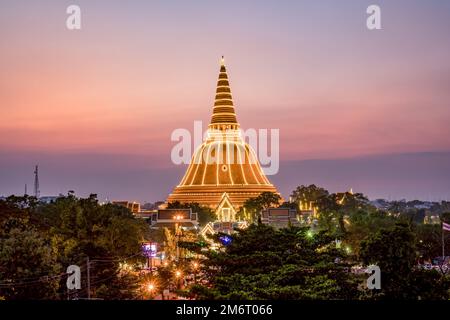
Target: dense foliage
(252, 207)
(264, 263)
(395, 252)
(323, 258)
(314, 262)
(39, 241)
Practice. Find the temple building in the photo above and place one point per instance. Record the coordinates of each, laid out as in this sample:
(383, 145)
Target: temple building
(224, 170)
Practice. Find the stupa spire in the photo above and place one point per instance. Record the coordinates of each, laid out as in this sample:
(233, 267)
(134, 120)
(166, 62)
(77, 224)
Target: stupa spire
(223, 110)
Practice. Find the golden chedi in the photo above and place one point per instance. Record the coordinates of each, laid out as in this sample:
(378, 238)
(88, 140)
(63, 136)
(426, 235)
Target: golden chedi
(224, 171)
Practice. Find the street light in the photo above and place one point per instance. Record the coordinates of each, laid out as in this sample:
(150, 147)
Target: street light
(150, 287)
(195, 265)
(178, 275)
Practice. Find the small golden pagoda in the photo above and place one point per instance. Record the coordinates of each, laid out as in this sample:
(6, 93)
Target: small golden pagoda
(224, 170)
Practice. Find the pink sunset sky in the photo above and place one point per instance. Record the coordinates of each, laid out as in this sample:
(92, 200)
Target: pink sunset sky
(95, 107)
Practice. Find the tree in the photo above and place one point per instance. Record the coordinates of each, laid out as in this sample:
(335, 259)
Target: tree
(252, 207)
(264, 263)
(335, 209)
(166, 278)
(121, 286)
(268, 199)
(66, 232)
(429, 241)
(395, 252)
(28, 266)
(170, 244)
(81, 228)
(364, 223)
(308, 194)
(205, 214)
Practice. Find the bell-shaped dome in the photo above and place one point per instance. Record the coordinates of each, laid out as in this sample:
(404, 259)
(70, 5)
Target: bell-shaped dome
(224, 163)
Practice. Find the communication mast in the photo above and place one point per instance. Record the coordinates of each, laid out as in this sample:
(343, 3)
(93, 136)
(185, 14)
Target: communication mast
(37, 192)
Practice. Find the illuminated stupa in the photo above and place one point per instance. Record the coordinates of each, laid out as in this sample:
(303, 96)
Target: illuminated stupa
(224, 171)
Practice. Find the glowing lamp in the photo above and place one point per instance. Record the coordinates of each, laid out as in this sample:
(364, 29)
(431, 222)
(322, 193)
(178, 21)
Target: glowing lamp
(225, 240)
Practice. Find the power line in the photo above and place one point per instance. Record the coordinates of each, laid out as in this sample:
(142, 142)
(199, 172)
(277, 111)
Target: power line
(34, 282)
(46, 278)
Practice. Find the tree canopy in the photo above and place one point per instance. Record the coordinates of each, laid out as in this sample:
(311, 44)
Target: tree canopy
(39, 241)
(264, 263)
